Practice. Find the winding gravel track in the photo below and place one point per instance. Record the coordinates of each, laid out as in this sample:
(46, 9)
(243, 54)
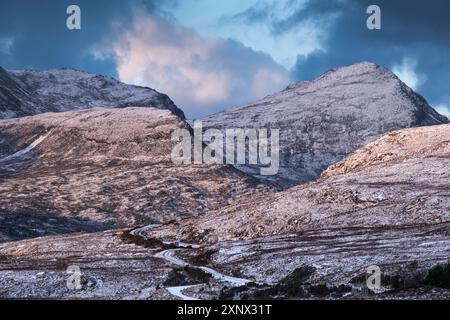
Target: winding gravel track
(168, 255)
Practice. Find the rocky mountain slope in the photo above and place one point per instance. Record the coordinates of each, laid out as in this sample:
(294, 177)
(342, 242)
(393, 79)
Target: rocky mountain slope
(111, 268)
(399, 180)
(323, 120)
(387, 204)
(103, 168)
(26, 92)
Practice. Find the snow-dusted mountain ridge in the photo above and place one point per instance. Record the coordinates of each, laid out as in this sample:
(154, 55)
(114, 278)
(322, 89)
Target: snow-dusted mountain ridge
(323, 120)
(26, 92)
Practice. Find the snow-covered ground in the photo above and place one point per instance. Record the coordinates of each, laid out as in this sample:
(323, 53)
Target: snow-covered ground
(57, 90)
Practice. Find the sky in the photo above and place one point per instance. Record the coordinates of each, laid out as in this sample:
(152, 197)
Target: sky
(209, 55)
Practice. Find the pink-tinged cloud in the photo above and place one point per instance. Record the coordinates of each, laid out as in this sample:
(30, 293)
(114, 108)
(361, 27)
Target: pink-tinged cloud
(201, 75)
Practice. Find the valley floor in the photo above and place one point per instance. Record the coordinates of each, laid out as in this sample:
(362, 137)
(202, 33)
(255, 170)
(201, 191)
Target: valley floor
(111, 269)
(114, 267)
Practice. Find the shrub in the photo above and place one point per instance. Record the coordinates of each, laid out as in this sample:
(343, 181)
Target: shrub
(203, 258)
(150, 243)
(439, 276)
(4, 257)
(186, 276)
(290, 287)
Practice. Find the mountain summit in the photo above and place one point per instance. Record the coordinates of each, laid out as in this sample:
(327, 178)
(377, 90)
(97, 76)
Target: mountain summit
(25, 93)
(324, 120)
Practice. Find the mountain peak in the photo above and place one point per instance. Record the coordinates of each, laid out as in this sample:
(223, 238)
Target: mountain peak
(29, 92)
(323, 120)
(356, 68)
(360, 69)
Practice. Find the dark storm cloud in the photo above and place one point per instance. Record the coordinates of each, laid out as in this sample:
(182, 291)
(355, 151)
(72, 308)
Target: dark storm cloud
(419, 30)
(40, 40)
